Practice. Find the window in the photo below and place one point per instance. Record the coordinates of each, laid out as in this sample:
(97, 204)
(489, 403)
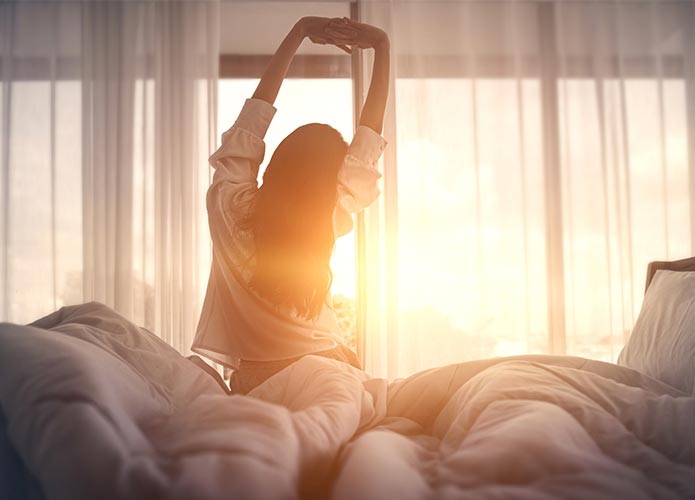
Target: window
(473, 237)
(625, 200)
(471, 230)
(43, 251)
(542, 162)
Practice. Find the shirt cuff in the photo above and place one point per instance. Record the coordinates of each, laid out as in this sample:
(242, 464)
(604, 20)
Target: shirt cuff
(367, 145)
(255, 116)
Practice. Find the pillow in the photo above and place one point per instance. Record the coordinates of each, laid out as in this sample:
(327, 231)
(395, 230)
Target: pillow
(662, 344)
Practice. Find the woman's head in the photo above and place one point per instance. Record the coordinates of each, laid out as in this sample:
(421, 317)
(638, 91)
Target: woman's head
(292, 219)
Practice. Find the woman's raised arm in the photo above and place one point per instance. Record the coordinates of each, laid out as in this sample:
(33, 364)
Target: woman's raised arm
(365, 36)
(312, 27)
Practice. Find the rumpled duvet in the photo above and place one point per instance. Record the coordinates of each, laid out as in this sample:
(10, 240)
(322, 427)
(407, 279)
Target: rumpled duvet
(96, 408)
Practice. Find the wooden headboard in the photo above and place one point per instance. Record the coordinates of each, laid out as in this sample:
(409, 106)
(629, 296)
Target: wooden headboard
(676, 265)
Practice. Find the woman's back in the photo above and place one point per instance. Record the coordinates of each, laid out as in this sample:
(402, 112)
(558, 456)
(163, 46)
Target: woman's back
(236, 322)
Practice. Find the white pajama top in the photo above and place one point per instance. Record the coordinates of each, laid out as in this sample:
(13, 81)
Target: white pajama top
(235, 322)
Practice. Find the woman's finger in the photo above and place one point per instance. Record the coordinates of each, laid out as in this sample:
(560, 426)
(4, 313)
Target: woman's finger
(318, 40)
(336, 28)
(341, 46)
(329, 41)
(337, 21)
(342, 37)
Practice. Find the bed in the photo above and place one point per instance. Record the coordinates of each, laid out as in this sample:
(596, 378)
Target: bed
(92, 406)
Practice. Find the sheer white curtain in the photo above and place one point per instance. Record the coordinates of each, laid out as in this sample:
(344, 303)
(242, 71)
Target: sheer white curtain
(108, 115)
(541, 154)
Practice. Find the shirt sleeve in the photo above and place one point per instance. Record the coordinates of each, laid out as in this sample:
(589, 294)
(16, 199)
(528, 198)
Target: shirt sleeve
(237, 160)
(358, 177)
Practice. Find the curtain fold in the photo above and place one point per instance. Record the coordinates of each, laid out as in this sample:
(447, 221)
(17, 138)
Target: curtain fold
(544, 157)
(108, 117)
(108, 93)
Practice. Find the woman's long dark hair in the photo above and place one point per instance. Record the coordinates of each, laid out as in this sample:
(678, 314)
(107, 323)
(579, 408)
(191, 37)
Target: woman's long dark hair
(292, 220)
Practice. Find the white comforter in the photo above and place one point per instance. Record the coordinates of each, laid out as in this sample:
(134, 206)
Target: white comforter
(98, 408)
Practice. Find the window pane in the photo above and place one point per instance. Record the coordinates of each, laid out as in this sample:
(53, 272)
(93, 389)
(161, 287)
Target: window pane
(472, 272)
(44, 247)
(625, 201)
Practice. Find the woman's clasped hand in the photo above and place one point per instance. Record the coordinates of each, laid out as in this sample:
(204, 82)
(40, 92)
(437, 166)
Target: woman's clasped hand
(342, 32)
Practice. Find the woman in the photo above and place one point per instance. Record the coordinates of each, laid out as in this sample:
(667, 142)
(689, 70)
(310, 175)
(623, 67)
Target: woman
(268, 302)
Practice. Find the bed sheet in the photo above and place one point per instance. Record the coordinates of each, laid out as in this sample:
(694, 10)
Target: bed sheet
(99, 408)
